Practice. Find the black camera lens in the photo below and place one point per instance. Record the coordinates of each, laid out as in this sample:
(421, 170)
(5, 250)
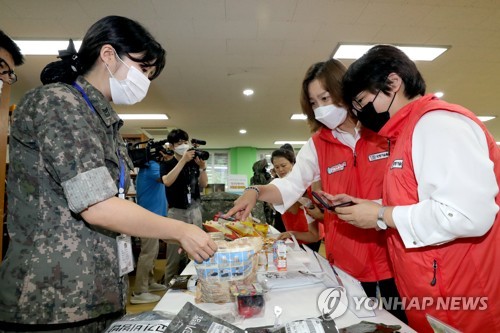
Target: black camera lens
(202, 154)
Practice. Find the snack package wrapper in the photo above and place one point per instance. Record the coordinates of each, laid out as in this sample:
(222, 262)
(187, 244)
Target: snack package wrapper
(369, 327)
(149, 321)
(310, 325)
(234, 261)
(194, 320)
(219, 226)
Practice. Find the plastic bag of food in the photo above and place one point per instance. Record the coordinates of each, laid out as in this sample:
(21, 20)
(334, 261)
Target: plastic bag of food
(234, 261)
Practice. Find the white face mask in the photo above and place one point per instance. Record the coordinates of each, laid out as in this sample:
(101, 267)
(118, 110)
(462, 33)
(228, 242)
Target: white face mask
(330, 115)
(131, 90)
(1, 86)
(181, 149)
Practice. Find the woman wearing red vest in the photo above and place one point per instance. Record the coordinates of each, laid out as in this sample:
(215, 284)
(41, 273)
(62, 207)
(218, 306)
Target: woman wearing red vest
(440, 200)
(297, 219)
(337, 153)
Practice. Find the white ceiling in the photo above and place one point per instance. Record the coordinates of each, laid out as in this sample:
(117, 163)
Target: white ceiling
(217, 48)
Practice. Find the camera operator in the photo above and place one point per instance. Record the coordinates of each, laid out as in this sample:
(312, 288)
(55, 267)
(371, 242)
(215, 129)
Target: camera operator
(150, 195)
(184, 176)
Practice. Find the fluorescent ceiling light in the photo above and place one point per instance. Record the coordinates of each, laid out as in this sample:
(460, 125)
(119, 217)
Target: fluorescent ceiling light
(248, 92)
(243, 131)
(298, 116)
(145, 116)
(423, 53)
(45, 47)
(290, 142)
(439, 94)
(486, 118)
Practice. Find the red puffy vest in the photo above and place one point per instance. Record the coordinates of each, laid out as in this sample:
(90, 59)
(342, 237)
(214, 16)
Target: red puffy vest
(360, 252)
(464, 267)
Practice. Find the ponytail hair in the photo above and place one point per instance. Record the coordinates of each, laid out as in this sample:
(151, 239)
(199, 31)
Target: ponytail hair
(65, 70)
(125, 35)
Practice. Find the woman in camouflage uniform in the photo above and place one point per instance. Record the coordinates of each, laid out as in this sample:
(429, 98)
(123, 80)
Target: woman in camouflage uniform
(68, 171)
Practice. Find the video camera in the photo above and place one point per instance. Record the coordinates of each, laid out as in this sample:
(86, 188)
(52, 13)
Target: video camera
(141, 156)
(202, 154)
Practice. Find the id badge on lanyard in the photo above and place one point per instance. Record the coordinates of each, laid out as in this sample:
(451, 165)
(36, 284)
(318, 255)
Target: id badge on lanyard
(124, 242)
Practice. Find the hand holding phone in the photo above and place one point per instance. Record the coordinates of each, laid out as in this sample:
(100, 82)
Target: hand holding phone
(325, 203)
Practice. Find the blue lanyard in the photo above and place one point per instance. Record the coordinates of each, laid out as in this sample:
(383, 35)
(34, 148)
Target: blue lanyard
(121, 190)
(84, 95)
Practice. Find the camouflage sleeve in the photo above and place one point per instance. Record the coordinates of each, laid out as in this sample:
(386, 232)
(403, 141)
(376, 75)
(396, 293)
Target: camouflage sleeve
(89, 188)
(67, 132)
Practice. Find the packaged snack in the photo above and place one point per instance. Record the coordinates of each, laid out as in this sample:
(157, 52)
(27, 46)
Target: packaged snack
(194, 320)
(279, 255)
(149, 321)
(218, 226)
(249, 299)
(234, 261)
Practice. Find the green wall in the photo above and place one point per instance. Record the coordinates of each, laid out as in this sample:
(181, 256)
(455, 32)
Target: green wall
(241, 160)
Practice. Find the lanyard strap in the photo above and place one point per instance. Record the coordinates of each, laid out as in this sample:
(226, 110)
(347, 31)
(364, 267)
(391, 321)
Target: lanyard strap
(84, 95)
(121, 190)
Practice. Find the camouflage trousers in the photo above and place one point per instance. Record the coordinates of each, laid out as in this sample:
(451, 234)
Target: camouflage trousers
(97, 326)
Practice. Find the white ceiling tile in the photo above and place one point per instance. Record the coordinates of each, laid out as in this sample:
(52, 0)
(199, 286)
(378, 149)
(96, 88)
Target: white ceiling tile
(225, 29)
(260, 10)
(190, 9)
(254, 47)
(287, 30)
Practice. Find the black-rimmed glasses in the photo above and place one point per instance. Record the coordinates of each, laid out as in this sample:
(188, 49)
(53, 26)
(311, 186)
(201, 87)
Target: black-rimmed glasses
(6, 70)
(356, 104)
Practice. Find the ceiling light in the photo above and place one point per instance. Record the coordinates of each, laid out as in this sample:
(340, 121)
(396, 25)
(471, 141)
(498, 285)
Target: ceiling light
(145, 116)
(248, 92)
(486, 118)
(243, 131)
(439, 94)
(423, 53)
(298, 116)
(290, 142)
(44, 47)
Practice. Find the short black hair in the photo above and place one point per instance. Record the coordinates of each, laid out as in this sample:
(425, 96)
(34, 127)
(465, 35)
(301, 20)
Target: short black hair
(370, 73)
(177, 135)
(285, 153)
(10, 46)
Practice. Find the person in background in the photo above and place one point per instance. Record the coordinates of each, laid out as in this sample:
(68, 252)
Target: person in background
(150, 195)
(69, 254)
(261, 177)
(441, 193)
(184, 176)
(347, 158)
(297, 220)
(10, 57)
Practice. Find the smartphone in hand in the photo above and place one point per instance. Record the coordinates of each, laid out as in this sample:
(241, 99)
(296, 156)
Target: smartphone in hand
(327, 204)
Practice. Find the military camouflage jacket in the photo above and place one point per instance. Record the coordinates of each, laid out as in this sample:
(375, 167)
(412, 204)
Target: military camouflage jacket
(63, 158)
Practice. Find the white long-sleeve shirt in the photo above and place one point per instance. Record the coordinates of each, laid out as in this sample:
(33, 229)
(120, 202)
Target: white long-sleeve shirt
(306, 169)
(456, 181)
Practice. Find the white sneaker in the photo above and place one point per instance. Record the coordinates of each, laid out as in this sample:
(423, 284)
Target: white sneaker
(157, 287)
(144, 298)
